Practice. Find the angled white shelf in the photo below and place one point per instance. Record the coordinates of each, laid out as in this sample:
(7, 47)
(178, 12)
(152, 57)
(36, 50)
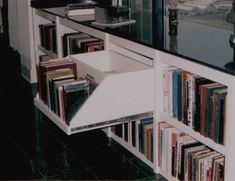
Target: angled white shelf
(45, 15)
(125, 91)
(47, 52)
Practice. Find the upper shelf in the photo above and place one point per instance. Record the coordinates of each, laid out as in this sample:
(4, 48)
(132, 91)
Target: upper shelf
(198, 41)
(125, 91)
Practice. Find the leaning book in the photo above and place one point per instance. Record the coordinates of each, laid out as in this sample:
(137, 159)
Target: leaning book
(75, 94)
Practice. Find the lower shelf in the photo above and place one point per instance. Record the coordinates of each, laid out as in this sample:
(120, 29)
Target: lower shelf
(207, 141)
(81, 128)
(132, 150)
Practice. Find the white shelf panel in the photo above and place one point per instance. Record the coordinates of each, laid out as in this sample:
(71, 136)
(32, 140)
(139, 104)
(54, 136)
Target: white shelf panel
(51, 115)
(72, 130)
(47, 52)
(134, 48)
(45, 15)
(125, 87)
(132, 150)
(184, 128)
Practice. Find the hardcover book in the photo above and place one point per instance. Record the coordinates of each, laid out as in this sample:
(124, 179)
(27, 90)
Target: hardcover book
(83, 8)
(75, 94)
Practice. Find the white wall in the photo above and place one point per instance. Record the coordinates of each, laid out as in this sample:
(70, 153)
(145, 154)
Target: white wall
(21, 35)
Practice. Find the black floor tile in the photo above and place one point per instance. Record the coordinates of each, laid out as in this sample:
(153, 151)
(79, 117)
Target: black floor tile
(23, 170)
(97, 157)
(119, 171)
(62, 164)
(79, 174)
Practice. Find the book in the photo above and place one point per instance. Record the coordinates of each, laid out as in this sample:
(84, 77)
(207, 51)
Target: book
(217, 113)
(44, 34)
(185, 146)
(57, 94)
(81, 43)
(184, 94)
(198, 81)
(219, 122)
(161, 141)
(66, 42)
(187, 162)
(208, 93)
(84, 8)
(184, 139)
(218, 168)
(176, 81)
(47, 33)
(74, 42)
(43, 58)
(147, 140)
(94, 46)
(75, 94)
(193, 162)
(133, 131)
(143, 123)
(126, 131)
(170, 136)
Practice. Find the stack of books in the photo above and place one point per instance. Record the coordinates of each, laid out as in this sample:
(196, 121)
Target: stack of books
(78, 42)
(83, 8)
(60, 88)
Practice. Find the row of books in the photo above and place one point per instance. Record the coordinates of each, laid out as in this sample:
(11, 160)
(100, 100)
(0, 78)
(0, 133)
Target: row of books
(79, 42)
(47, 34)
(60, 88)
(195, 101)
(184, 158)
(139, 134)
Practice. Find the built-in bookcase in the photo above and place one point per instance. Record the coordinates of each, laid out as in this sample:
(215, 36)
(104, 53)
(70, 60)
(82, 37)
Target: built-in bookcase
(136, 82)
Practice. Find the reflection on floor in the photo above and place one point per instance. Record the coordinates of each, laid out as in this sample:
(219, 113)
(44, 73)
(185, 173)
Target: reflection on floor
(34, 148)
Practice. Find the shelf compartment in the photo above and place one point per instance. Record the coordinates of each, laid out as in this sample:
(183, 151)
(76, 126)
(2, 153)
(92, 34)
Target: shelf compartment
(196, 135)
(132, 150)
(125, 91)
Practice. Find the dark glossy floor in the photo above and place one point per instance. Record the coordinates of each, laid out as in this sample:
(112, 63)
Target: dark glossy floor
(35, 149)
